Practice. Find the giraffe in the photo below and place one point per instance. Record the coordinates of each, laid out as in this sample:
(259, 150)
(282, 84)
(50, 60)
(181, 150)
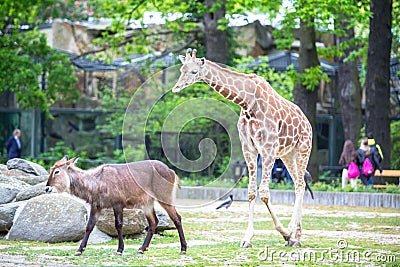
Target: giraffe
(268, 125)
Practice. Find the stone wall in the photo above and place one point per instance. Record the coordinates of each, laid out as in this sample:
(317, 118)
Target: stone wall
(288, 197)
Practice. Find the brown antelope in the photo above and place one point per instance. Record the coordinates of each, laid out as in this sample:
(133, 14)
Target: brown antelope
(119, 186)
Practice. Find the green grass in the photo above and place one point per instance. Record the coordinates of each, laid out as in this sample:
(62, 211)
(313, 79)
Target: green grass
(214, 237)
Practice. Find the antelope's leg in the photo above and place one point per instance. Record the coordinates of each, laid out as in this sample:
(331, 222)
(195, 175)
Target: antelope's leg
(176, 218)
(151, 229)
(119, 216)
(94, 216)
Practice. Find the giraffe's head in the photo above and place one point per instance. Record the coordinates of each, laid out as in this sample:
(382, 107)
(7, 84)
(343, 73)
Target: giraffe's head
(191, 70)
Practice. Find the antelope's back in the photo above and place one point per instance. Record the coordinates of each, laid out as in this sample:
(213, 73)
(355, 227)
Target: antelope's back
(154, 177)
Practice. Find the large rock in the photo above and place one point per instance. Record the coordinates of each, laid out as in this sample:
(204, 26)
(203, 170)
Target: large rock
(7, 213)
(9, 188)
(164, 222)
(134, 222)
(31, 192)
(97, 236)
(26, 166)
(29, 178)
(50, 218)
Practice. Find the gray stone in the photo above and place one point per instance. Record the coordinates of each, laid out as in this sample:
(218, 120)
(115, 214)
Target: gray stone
(9, 188)
(7, 212)
(7, 195)
(50, 218)
(31, 192)
(164, 222)
(98, 236)
(29, 178)
(134, 222)
(26, 166)
(33, 179)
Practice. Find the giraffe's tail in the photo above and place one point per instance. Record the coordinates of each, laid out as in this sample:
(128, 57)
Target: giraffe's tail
(308, 178)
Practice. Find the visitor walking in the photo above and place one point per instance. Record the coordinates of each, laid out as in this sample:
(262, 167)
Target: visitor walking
(13, 145)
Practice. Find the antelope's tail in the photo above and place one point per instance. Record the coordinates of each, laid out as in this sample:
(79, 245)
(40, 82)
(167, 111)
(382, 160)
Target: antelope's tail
(177, 181)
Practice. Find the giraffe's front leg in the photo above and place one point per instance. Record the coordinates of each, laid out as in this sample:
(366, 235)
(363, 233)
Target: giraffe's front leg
(251, 160)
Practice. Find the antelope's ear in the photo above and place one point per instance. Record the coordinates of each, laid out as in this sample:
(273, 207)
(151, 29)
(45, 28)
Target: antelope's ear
(182, 59)
(75, 160)
(65, 157)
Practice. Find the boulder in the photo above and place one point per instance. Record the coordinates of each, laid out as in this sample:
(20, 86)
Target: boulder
(50, 218)
(26, 166)
(28, 178)
(97, 236)
(31, 192)
(7, 213)
(164, 222)
(9, 188)
(134, 222)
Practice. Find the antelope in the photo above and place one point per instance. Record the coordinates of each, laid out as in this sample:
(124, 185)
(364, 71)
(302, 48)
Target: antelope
(119, 186)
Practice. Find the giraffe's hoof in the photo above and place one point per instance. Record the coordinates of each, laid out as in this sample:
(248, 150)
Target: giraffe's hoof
(293, 243)
(246, 244)
(183, 252)
(140, 251)
(119, 253)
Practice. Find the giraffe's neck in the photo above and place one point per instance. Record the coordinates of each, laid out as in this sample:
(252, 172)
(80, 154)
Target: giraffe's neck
(237, 87)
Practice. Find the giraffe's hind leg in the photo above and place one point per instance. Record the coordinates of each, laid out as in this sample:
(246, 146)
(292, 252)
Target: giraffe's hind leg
(268, 162)
(296, 164)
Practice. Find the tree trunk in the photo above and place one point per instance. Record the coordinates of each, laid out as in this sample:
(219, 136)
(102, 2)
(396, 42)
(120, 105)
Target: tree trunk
(216, 41)
(307, 99)
(378, 75)
(350, 90)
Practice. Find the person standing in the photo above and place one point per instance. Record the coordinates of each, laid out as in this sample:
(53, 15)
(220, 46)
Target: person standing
(349, 154)
(375, 156)
(374, 146)
(13, 145)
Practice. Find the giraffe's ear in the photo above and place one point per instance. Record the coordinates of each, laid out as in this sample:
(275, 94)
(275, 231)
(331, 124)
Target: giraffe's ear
(201, 62)
(182, 59)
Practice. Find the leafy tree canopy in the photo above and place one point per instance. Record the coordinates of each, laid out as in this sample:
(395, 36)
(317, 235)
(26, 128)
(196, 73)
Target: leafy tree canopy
(38, 74)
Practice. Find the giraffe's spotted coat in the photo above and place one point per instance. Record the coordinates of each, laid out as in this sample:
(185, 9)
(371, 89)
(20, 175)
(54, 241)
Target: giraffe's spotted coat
(268, 125)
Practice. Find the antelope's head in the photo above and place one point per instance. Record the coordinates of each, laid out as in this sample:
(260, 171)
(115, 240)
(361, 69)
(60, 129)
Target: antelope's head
(59, 180)
(191, 70)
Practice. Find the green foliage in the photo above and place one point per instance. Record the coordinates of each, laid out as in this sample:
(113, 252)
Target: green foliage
(312, 77)
(114, 105)
(27, 59)
(395, 141)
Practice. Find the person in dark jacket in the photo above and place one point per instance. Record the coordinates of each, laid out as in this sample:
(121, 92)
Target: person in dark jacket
(373, 155)
(13, 145)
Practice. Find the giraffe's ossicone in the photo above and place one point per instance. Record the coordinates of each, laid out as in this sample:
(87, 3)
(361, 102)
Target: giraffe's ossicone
(269, 126)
